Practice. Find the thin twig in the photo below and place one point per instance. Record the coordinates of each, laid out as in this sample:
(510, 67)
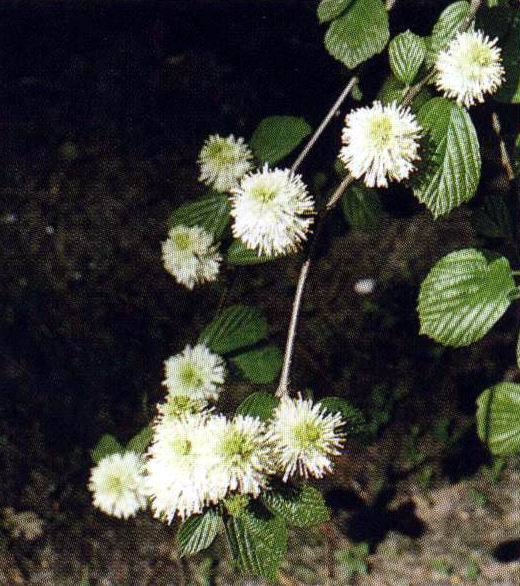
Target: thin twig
(324, 123)
(504, 155)
(283, 385)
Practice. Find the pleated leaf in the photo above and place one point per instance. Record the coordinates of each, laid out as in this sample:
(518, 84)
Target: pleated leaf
(407, 52)
(140, 442)
(359, 34)
(498, 418)
(239, 254)
(362, 208)
(301, 506)
(260, 365)
(236, 327)
(211, 213)
(353, 417)
(106, 446)
(330, 9)
(258, 544)
(277, 136)
(259, 405)
(198, 532)
(463, 296)
(445, 29)
(451, 172)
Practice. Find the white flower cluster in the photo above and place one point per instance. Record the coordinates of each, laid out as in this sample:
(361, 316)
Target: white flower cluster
(223, 161)
(190, 255)
(381, 143)
(118, 485)
(272, 211)
(469, 67)
(199, 459)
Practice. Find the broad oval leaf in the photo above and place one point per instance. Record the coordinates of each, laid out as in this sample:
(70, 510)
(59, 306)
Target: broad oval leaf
(406, 52)
(498, 418)
(452, 169)
(239, 254)
(211, 213)
(140, 442)
(236, 327)
(362, 208)
(260, 365)
(277, 136)
(463, 296)
(258, 544)
(259, 405)
(359, 34)
(446, 28)
(330, 9)
(301, 506)
(198, 532)
(106, 446)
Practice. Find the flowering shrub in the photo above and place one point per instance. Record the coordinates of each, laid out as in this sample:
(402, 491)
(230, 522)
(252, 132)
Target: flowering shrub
(248, 473)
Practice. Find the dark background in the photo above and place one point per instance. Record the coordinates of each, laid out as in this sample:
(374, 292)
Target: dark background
(103, 109)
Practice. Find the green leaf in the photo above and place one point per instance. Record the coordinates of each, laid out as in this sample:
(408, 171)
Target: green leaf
(463, 296)
(258, 544)
(198, 532)
(445, 29)
(239, 254)
(407, 52)
(259, 405)
(452, 172)
(236, 327)
(362, 208)
(498, 418)
(330, 9)
(493, 219)
(140, 442)
(277, 136)
(260, 365)
(510, 43)
(106, 446)
(211, 213)
(354, 418)
(394, 90)
(359, 34)
(301, 506)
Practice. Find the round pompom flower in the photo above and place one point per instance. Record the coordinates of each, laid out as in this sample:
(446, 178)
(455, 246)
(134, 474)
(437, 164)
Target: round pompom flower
(469, 67)
(241, 453)
(223, 161)
(190, 256)
(117, 485)
(176, 469)
(381, 143)
(177, 406)
(272, 211)
(195, 372)
(304, 437)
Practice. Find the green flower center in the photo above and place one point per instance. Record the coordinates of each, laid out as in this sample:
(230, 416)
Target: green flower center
(263, 193)
(236, 446)
(115, 484)
(307, 435)
(381, 131)
(475, 59)
(181, 404)
(181, 446)
(221, 152)
(182, 240)
(191, 376)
